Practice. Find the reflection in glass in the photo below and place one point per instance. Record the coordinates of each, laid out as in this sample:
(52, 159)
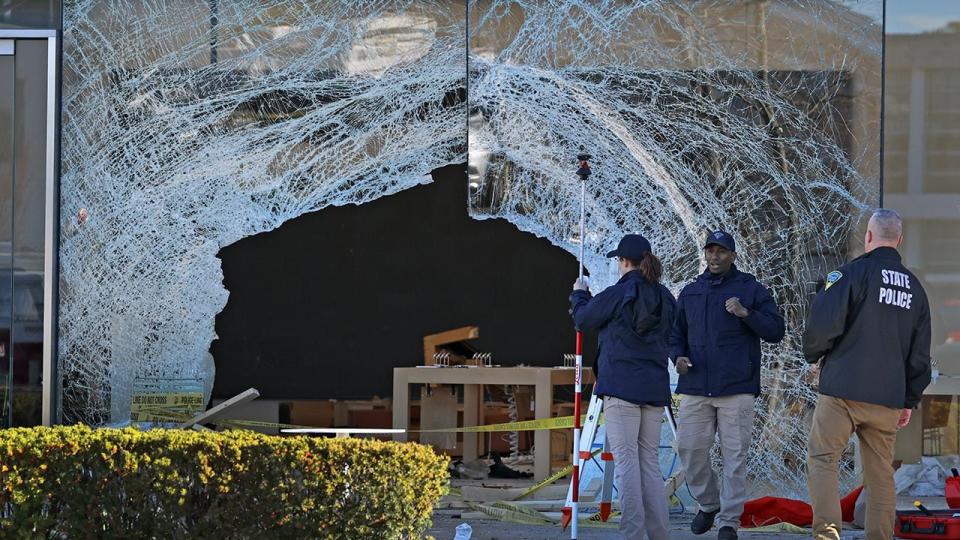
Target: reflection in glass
(41, 14)
(941, 425)
(213, 121)
(7, 85)
(759, 117)
(28, 229)
(922, 182)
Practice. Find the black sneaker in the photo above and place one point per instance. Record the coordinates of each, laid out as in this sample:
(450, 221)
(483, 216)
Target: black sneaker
(727, 533)
(703, 521)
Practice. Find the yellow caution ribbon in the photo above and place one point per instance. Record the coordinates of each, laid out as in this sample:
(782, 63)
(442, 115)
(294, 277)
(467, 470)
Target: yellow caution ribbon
(552, 478)
(558, 422)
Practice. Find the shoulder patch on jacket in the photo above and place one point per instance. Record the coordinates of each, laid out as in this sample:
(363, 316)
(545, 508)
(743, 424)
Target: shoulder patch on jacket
(832, 278)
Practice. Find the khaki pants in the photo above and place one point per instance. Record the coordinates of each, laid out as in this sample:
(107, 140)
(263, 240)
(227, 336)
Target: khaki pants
(834, 421)
(634, 435)
(701, 418)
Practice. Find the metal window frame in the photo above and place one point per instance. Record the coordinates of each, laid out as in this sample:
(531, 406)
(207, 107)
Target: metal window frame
(50, 413)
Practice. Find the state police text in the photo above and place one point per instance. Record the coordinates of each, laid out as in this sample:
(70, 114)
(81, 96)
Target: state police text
(892, 296)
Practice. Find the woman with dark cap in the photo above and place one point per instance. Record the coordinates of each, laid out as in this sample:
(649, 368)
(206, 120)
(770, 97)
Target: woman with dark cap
(633, 318)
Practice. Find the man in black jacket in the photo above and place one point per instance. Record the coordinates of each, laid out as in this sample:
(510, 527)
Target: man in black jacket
(869, 329)
(721, 318)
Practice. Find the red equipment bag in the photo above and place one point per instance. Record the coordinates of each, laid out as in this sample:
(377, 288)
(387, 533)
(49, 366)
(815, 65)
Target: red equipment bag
(952, 490)
(917, 525)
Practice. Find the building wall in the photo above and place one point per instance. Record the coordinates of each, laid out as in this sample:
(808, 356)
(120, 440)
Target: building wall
(922, 182)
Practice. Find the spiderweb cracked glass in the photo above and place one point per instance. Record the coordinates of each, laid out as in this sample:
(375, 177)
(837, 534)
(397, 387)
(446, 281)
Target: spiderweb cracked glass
(758, 117)
(190, 124)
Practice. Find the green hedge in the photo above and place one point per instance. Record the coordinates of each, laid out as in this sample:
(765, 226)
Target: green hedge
(78, 482)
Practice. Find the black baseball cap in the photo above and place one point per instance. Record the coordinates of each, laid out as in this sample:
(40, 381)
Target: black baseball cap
(720, 238)
(631, 246)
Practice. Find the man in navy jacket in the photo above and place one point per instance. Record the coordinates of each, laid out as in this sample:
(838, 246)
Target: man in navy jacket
(721, 318)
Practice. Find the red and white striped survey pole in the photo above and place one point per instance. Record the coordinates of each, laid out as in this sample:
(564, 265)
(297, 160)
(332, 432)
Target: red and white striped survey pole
(583, 171)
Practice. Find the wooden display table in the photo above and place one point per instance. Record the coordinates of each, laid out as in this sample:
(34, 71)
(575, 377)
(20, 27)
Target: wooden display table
(543, 379)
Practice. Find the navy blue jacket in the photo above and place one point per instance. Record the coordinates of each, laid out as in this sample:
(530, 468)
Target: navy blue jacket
(724, 349)
(631, 366)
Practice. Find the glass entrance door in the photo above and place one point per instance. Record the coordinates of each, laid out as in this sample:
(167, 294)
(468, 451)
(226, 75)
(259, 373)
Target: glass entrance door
(27, 194)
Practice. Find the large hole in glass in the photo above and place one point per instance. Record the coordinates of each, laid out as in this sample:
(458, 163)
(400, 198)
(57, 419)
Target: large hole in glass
(326, 305)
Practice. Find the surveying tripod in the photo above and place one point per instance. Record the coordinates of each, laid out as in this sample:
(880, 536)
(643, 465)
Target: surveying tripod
(586, 452)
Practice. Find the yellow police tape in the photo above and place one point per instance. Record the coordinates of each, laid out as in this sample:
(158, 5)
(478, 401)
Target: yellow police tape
(779, 527)
(559, 422)
(671, 486)
(550, 479)
(161, 414)
(515, 513)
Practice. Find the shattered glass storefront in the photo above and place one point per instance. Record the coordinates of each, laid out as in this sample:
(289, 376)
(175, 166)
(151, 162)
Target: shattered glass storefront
(759, 117)
(188, 125)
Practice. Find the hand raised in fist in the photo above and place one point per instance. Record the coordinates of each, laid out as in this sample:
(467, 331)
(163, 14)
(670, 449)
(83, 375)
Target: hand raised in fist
(736, 308)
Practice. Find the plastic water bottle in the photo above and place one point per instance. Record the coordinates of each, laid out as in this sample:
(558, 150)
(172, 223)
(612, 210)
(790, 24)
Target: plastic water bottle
(464, 531)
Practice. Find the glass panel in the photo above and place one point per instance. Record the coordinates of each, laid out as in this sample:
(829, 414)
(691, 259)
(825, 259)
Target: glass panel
(29, 191)
(6, 230)
(43, 14)
(942, 124)
(190, 124)
(941, 425)
(762, 118)
(896, 129)
(922, 177)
